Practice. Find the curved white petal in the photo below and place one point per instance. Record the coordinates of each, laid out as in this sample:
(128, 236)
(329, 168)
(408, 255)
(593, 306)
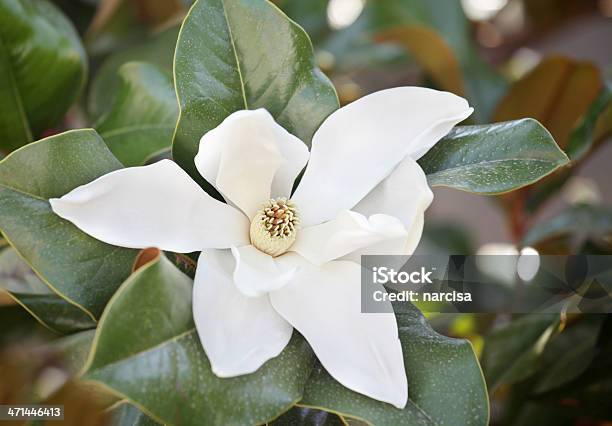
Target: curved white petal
(348, 232)
(404, 188)
(358, 145)
(257, 273)
(238, 333)
(152, 206)
(250, 158)
(360, 350)
(405, 195)
(404, 245)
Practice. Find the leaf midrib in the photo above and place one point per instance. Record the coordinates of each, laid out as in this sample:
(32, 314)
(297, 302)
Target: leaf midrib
(136, 128)
(16, 94)
(484, 163)
(20, 191)
(173, 339)
(235, 52)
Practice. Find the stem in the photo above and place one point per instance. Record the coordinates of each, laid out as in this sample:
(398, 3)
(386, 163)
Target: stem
(518, 219)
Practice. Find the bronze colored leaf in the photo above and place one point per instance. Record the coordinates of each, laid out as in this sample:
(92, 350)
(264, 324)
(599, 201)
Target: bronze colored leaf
(432, 52)
(556, 93)
(145, 256)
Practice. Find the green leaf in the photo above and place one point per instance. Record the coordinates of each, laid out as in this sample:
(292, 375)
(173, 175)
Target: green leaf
(43, 68)
(123, 22)
(83, 270)
(245, 54)
(142, 119)
(18, 280)
(73, 349)
(18, 323)
(125, 414)
(310, 15)
(493, 158)
(147, 350)
(581, 141)
(599, 374)
(583, 137)
(587, 389)
(569, 354)
(301, 416)
(511, 352)
(157, 50)
(583, 221)
(445, 384)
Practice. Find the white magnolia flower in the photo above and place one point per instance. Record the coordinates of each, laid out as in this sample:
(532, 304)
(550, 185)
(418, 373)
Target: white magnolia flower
(271, 260)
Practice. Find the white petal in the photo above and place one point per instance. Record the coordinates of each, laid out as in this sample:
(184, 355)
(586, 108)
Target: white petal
(357, 146)
(152, 206)
(360, 350)
(348, 232)
(257, 273)
(250, 158)
(404, 188)
(404, 194)
(238, 333)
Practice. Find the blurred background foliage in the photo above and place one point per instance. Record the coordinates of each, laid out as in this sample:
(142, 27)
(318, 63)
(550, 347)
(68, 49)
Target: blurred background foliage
(546, 59)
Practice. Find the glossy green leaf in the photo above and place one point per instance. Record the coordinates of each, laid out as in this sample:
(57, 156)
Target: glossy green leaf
(157, 49)
(493, 158)
(583, 221)
(80, 268)
(42, 68)
(142, 119)
(18, 279)
(445, 384)
(245, 54)
(147, 350)
(511, 352)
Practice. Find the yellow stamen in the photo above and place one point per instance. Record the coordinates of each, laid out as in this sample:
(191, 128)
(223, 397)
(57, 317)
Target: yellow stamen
(274, 227)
